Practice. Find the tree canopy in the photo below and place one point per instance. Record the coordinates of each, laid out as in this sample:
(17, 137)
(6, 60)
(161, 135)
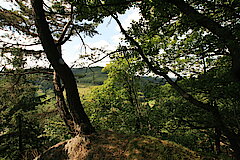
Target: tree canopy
(196, 41)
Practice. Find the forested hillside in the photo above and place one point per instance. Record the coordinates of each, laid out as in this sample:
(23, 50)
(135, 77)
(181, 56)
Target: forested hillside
(92, 75)
(170, 91)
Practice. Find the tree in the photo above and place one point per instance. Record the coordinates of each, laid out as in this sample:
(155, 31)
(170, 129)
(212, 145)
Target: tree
(66, 20)
(117, 103)
(19, 131)
(169, 40)
(227, 33)
(81, 121)
(181, 37)
(22, 22)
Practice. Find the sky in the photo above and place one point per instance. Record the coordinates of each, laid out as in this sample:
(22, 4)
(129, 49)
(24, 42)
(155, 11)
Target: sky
(108, 38)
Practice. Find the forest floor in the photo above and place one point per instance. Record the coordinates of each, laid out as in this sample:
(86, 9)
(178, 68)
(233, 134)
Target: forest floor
(108, 145)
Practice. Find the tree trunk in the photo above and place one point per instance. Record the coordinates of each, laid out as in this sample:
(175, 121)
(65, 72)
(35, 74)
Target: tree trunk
(234, 140)
(81, 121)
(229, 133)
(61, 104)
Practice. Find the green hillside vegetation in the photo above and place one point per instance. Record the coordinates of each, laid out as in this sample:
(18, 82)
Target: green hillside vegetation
(154, 131)
(91, 75)
(88, 78)
(94, 76)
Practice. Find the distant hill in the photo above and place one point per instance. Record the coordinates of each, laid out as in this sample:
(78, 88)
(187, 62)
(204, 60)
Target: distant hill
(153, 79)
(93, 75)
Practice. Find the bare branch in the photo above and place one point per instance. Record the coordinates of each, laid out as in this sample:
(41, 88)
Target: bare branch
(65, 29)
(8, 44)
(79, 35)
(29, 71)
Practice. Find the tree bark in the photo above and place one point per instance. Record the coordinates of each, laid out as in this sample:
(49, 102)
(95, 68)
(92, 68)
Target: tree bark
(61, 104)
(81, 121)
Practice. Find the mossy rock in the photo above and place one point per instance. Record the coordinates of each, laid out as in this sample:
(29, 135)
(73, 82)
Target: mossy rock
(110, 146)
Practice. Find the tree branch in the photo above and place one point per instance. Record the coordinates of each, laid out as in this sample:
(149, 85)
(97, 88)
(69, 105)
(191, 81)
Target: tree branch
(11, 19)
(225, 34)
(24, 73)
(10, 45)
(159, 72)
(62, 38)
(232, 136)
(127, 2)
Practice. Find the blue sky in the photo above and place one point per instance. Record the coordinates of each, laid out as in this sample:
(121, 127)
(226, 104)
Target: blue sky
(108, 38)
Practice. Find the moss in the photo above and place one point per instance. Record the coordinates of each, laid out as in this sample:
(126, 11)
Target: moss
(108, 145)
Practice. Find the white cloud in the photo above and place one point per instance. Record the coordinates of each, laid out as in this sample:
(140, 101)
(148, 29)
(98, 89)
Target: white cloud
(130, 16)
(77, 50)
(133, 16)
(117, 38)
(102, 44)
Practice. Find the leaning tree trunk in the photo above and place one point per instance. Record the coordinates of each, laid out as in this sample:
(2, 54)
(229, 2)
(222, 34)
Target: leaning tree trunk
(228, 132)
(81, 121)
(60, 99)
(61, 104)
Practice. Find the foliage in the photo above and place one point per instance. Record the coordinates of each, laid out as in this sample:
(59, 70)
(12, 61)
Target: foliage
(114, 99)
(187, 38)
(19, 131)
(163, 112)
(167, 39)
(94, 10)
